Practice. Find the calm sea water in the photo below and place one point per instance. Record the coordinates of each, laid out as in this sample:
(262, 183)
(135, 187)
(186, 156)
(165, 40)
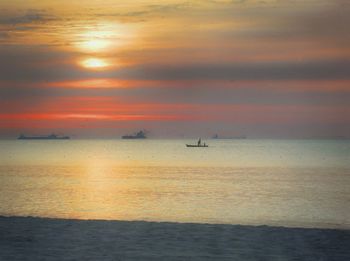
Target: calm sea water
(274, 182)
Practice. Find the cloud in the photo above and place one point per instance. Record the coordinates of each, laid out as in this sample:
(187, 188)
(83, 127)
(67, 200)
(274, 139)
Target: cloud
(12, 26)
(4, 35)
(30, 16)
(145, 12)
(201, 93)
(305, 70)
(40, 63)
(331, 23)
(37, 64)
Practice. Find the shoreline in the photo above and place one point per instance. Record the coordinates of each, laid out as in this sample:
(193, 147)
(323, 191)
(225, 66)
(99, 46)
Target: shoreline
(32, 238)
(282, 225)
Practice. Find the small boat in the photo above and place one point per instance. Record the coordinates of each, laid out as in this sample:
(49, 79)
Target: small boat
(198, 145)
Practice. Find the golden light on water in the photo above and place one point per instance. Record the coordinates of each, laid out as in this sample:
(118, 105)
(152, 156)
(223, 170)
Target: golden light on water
(95, 63)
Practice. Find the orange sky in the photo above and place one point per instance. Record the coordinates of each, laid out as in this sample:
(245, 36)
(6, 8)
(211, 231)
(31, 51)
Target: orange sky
(262, 69)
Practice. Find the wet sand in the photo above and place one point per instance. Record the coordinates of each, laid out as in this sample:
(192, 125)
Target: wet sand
(27, 238)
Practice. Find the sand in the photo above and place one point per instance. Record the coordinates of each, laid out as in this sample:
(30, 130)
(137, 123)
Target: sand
(27, 238)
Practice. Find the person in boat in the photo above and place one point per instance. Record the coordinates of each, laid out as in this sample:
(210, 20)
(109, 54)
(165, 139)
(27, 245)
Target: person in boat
(199, 142)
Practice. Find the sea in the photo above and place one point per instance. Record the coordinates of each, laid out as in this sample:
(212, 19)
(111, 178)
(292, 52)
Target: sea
(293, 183)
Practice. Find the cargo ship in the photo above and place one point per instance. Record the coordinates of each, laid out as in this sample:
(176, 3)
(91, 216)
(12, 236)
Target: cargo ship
(139, 135)
(48, 137)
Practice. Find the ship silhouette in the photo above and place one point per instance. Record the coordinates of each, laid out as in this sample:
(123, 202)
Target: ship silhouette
(48, 137)
(139, 135)
(216, 136)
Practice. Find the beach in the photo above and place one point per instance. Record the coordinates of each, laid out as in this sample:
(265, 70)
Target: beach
(28, 238)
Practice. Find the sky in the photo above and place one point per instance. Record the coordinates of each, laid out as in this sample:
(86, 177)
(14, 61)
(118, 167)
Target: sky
(264, 69)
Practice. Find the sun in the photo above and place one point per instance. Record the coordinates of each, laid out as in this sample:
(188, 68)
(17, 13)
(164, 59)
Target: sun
(95, 45)
(97, 41)
(94, 63)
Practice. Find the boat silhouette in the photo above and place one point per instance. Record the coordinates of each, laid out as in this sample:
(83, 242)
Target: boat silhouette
(48, 137)
(216, 136)
(139, 135)
(198, 145)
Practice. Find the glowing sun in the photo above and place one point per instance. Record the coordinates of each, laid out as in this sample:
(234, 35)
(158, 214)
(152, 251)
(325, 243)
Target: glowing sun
(94, 63)
(95, 45)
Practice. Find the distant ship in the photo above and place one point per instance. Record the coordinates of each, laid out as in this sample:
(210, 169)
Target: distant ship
(140, 135)
(216, 136)
(49, 137)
